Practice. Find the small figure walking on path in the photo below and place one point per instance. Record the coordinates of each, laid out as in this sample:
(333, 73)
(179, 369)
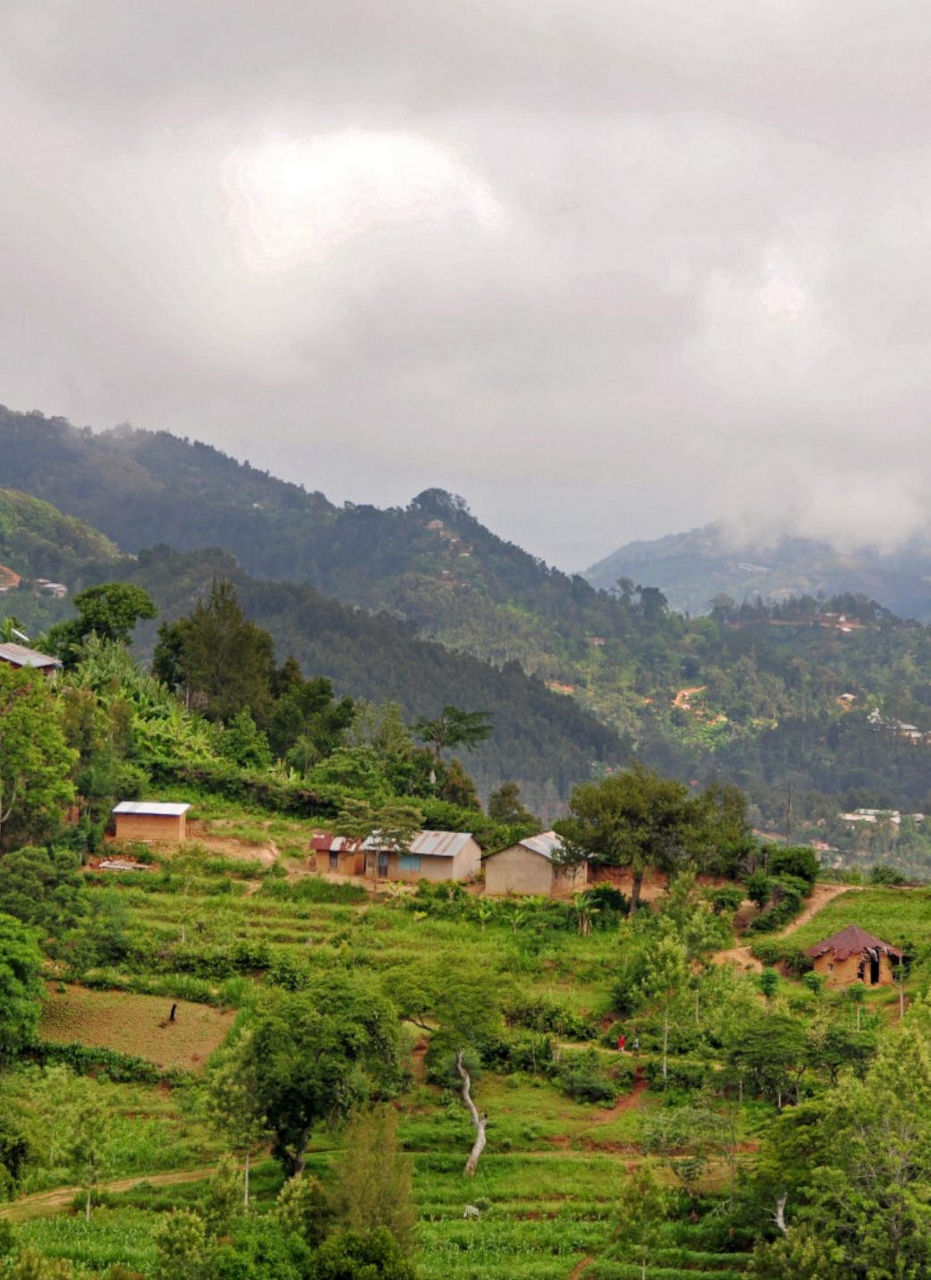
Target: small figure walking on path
(621, 1043)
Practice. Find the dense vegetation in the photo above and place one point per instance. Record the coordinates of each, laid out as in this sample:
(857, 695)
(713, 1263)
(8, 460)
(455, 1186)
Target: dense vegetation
(692, 568)
(310, 1080)
(827, 696)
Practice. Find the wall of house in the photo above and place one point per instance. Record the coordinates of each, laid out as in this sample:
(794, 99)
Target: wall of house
(466, 863)
(144, 826)
(840, 973)
(518, 870)
(349, 862)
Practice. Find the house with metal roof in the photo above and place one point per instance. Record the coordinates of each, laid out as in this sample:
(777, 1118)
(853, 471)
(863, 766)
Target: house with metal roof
(431, 855)
(17, 655)
(152, 820)
(532, 866)
(853, 955)
(339, 855)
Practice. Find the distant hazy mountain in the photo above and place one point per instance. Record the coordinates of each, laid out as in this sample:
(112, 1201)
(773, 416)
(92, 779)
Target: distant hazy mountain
(692, 568)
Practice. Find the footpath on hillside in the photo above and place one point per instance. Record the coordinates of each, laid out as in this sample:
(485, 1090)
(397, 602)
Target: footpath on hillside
(821, 895)
(42, 1201)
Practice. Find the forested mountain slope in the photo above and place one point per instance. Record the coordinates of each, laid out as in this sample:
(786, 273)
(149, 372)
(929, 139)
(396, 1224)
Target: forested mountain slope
(818, 693)
(47, 544)
(545, 742)
(693, 568)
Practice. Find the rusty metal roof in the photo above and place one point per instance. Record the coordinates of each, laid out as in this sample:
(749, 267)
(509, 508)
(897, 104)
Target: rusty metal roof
(20, 656)
(429, 844)
(852, 941)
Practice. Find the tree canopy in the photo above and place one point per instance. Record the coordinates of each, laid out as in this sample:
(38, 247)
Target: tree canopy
(20, 987)
(313, 1055)
(34, 758)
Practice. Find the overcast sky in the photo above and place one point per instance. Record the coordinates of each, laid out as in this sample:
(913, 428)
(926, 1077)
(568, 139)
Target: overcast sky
(607, 268)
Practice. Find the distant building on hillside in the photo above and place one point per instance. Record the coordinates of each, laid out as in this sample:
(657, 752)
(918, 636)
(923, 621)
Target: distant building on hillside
(528, 867)
(338, 854)
(432, 855)
(853, 955)
(17, 655)
(151, 820)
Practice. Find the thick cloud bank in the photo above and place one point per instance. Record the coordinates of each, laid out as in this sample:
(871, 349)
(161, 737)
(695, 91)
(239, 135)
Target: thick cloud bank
(608, 269)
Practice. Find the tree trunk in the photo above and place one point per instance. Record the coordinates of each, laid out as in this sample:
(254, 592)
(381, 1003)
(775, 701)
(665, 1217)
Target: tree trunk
(87, 1206)
(635, 892)
(478, 1121)
(245, 1184)
(779, 1217)
(665, 1046)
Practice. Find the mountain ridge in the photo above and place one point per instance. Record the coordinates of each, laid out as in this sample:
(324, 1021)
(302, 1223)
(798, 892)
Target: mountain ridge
(691, 568)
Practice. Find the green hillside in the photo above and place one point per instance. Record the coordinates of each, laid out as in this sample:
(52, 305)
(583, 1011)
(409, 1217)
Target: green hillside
(693, 568)
(38, 541)
(830, 695)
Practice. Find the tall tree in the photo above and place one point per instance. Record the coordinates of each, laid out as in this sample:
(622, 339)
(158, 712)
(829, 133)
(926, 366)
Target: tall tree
(34, 759)
(315, 1054)
(454, 728)
(109, 610)
(219, 659)
(634, 819)
(374, 1177)
(20, 987)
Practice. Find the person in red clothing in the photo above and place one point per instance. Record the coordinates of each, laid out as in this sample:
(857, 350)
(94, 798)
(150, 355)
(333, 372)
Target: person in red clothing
(621, 1043)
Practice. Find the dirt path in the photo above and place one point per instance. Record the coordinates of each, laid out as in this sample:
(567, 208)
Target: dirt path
(821, 895)
(581, 1267)
(43, 1201)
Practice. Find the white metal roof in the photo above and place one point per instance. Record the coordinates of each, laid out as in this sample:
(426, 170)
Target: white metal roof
(545, 844)
(20, 656)
(152, 808)
(430, 844)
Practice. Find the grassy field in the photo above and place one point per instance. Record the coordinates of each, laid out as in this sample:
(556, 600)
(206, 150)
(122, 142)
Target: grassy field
(895, 915)
(211, 925)
(135, 1024)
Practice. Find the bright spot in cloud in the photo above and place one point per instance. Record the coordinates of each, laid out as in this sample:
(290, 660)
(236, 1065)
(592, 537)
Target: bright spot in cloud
(297, 200)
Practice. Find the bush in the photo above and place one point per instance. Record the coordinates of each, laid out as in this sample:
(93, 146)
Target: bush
(121, 1067)
(797, 860)
(886, 875)
(681, 1073)
(582, 1076)
(537, 1013)
(725, 900)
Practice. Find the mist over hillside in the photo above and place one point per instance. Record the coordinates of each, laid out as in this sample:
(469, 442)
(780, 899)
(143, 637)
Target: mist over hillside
(692, 568)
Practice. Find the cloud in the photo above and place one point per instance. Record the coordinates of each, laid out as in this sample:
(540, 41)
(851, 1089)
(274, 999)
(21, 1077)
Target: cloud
(608, 269)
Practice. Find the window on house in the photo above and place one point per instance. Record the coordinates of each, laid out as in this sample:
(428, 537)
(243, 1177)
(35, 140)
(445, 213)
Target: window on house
(410, 861)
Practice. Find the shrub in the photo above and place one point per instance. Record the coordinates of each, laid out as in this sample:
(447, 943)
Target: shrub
(582, 1076)
(798, 861)
(882, 874)
(537, 1013)
(725, 900)
(681, 1073)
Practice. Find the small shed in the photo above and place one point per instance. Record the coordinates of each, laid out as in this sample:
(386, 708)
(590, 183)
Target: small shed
(17, 655)
(853, 955)
(150, 820)
(338, 854)
(528, 867)
(431, 855)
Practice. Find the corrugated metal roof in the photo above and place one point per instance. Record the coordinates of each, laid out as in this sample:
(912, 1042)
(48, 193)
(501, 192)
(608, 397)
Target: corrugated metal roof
(429, 844)
(440, 844)
(325, 841)
(20, 656)
(152, 808)
(545, 844)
